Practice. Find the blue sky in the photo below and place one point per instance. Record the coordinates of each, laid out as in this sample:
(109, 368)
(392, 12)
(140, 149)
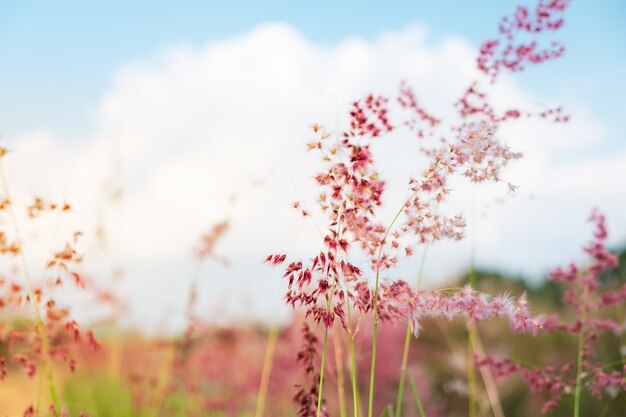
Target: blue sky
(58, 58)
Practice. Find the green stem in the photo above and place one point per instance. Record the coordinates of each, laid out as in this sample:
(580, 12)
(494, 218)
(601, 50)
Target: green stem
(321, 384)
(471, 369)
(418, 401)
(403, 368)
(355, 393)
(370, 405)
(579, 370)
(471, 372)
(324, 349)
(340, 375)
(41, 328)
(407, 344)
(272, 339)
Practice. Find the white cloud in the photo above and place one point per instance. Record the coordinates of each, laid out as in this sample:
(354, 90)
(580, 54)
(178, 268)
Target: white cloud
(186, 129)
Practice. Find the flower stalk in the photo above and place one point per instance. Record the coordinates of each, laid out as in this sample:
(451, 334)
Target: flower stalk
(41, 328)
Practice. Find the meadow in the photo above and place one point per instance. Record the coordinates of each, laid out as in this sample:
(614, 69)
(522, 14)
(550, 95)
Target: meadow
(361, 340)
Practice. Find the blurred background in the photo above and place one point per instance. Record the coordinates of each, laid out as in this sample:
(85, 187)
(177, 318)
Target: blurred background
(173, 127)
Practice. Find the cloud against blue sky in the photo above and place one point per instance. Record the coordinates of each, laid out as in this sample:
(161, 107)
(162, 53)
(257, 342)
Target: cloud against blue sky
(59, 58)
(188, 106)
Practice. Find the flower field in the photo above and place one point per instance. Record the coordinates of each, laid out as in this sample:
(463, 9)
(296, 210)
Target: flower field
(368, 331)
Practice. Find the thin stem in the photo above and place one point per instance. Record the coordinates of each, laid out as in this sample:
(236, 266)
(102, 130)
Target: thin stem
(471, 371)
(340, 383)
(324, 349)
(323, 365)
(420, 274)
(407, 344)
(272, 339)
(488, 379)
(370, 403)
(403, 368)
(355, 393)
(471, 329)
(579, 368)
(370, 406)
(418, 401)
(41, 328)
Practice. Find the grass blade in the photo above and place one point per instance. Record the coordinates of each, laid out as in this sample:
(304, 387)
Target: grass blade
(388, 411)
(418, 401)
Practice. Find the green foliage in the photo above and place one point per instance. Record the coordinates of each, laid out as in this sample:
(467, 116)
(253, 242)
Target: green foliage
(100, 396)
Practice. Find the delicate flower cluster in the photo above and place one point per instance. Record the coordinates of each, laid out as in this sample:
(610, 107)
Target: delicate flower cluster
(398, 299)
(474, 105)
(352, 191)
(482, 154)
(552, 380)
(206, 248)
(419, 120)
(58, 325)
(307, 397)
(509, 52)
(589, 301)
(584, 293)
(512, 53)
(64, 263)
(3, 369)
(476, 306)
(317, 286)
(8, 246)
(39, 206)
(369, 117)
(51, 334)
